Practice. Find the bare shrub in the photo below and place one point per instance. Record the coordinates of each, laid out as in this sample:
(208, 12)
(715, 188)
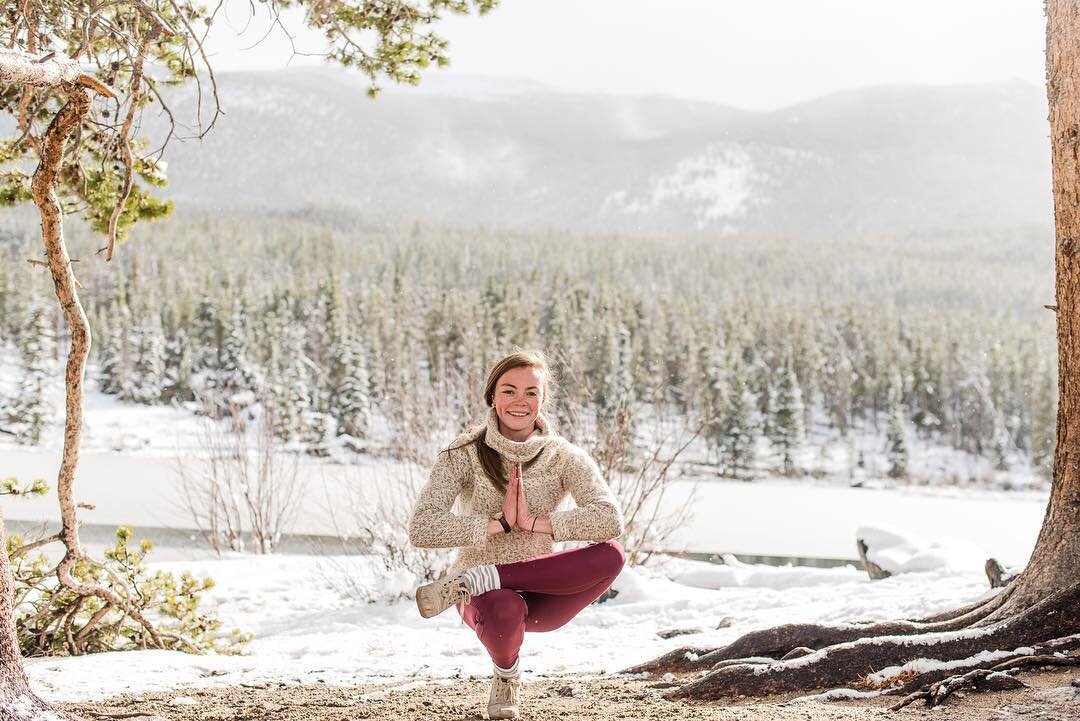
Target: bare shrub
(638, 471)
(371, 517)
(244, 487)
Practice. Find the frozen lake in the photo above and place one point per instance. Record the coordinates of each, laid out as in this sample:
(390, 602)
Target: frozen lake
(774, 517)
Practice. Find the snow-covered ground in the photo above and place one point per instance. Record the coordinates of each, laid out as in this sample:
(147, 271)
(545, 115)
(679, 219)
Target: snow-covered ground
(306, 631)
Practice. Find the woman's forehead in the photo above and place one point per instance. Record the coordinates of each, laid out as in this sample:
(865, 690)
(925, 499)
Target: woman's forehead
(526, 375)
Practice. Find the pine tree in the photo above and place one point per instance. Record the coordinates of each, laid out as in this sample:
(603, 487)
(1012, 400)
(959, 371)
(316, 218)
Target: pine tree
(237, 376)
(896, 450)
(787, 416)
(925, 396)
(148, 374)
(178, 370)
(292, 392)
(32, 411)
(353, 404)
(737, 435)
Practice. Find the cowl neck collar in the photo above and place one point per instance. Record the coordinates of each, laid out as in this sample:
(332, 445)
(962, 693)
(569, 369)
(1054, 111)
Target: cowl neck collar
(517, 451)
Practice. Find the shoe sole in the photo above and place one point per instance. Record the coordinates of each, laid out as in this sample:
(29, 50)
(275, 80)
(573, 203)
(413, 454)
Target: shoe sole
(419, 604)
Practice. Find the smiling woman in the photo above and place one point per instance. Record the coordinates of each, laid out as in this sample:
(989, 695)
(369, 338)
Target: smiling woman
(517, 401)
(510, 475)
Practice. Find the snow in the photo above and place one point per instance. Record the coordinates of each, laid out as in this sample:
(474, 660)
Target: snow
(775, 518)
(896, 552)
(306, 629)
(924, 665)
(836, 694)
(715, 184)
(734, 573)
(312, 618)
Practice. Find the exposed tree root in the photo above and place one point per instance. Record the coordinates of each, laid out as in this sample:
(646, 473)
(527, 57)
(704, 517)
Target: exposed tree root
(996, 678)
(777, 642)
(1021, 657)
(845, 662)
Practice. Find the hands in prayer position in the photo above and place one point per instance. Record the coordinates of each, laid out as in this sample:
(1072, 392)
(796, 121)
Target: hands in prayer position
(516, 508)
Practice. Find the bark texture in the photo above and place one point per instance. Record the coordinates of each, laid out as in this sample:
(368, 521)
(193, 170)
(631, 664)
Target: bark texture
(17, 701)
(19, 68)
(1055, 562)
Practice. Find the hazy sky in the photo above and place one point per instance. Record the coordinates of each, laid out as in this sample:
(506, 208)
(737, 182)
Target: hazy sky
(755, 54)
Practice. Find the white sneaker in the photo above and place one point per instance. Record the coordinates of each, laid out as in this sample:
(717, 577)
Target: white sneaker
(505, 697)
(435, 597)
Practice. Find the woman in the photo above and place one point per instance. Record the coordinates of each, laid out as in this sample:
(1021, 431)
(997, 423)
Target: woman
(511, 474)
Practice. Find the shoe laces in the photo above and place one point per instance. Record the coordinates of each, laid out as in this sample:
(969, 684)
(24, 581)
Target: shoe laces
(506, 689)
(458, 593)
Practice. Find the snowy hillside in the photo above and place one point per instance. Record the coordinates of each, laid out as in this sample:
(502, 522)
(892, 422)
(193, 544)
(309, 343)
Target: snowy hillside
(893, 159)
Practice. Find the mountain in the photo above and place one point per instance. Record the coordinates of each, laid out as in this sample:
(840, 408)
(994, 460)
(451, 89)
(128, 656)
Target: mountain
(887, 159)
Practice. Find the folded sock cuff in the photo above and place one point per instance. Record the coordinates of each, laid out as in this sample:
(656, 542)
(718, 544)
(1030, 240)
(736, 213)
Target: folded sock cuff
(512, 671)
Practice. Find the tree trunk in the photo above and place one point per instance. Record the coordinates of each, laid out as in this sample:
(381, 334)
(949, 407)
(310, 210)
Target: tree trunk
(17, 701)
(1055, 562)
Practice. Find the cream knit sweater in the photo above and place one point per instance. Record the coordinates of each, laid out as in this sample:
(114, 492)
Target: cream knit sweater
(551, 466)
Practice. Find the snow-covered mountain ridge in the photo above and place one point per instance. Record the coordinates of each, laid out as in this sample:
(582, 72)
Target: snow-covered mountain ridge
(889, 159)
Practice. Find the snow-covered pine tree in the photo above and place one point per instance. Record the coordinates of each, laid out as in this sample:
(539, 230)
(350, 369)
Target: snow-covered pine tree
(1044, 400)
(31, 409)
(737, 430)
(353, 404)
(787, 416)
(896, 450)
(207, 337)
(328, 344)
(926, 411)
(237, 376)
(116, 365)
(178, 369)
(292, 394)
(148, 377)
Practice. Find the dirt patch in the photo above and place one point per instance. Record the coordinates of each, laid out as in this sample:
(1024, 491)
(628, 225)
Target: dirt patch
(1049, 698)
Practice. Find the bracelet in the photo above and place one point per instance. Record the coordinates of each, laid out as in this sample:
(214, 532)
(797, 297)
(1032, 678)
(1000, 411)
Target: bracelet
(505, 523)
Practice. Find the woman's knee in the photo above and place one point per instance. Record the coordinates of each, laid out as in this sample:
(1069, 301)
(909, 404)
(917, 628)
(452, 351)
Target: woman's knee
(614, 556)
(504, 607)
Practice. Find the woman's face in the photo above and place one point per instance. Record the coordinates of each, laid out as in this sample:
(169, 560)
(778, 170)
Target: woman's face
(518, 394)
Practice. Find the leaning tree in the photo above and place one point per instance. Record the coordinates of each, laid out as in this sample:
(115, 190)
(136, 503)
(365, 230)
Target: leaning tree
(1035, 618)
(76, 77)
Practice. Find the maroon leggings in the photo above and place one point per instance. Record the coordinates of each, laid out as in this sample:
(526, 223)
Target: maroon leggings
(540, 594)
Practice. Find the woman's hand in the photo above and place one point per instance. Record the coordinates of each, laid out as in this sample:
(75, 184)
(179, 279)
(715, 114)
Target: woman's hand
(525, 520)
(509, 506)
(510, 501)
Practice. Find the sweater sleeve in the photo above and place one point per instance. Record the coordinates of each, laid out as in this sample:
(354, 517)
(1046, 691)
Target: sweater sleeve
(598, 516)
(432, 524)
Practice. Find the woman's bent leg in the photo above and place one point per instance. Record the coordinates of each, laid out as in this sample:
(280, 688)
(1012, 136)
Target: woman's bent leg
(565, 573)
(548, 612)
(498, 617)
